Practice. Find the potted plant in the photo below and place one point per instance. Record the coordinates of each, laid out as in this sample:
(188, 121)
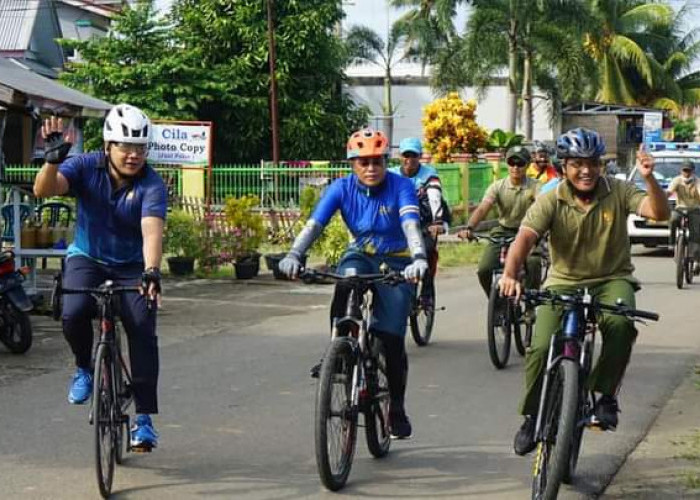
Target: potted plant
(182, 242)
(246, 234)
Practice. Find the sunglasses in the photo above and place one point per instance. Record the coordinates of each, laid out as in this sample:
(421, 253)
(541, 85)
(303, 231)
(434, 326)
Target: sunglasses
(125, 147)
(516, 164)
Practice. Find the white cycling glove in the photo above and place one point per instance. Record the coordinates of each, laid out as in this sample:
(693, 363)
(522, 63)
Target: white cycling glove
(416, 270)
(290, 265)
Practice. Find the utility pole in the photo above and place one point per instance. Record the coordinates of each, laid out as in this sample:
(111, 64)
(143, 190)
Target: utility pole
(273, 86)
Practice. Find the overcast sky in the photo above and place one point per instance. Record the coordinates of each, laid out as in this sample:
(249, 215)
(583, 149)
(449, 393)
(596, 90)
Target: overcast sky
(378, 15)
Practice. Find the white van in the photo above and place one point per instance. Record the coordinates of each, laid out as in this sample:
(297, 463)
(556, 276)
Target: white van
(667, 165)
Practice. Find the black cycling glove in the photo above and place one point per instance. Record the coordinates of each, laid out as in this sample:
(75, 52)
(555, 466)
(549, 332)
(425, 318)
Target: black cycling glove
(56, 148)
(151, 276)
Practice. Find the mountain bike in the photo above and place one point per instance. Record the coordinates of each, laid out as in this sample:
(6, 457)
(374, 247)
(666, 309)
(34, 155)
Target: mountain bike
(566, 405)
(684, 261)
(353, 380)
(111, 395)
(505, 316)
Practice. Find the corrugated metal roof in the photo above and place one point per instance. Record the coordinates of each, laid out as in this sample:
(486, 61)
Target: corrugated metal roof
(23, 80)
(17, 18)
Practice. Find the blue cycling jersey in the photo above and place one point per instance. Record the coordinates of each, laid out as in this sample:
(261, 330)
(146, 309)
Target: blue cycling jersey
(373, 215)
(420, 180)
(108, 227)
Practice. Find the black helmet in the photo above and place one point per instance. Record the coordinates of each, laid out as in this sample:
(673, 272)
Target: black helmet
(580, 143)
(518, 155)
(540, 147)
(687, 165)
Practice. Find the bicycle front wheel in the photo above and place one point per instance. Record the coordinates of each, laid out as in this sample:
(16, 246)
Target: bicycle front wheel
(681, 257)
(498, 328)
(336, 416)
(103, 408)
(377, 414)
(558, 426)
(422, 317)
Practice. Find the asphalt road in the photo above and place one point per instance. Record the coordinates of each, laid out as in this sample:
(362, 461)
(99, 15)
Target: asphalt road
(237, 403)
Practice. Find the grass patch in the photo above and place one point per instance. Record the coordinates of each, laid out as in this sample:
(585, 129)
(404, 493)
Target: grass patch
(691, 480)
(460, 254)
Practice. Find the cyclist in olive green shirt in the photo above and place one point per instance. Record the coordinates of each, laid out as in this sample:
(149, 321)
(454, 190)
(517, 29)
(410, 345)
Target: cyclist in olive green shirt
(687, 189)
(512, 197)
(586, 219)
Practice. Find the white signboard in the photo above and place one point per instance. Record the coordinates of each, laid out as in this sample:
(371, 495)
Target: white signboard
(652, 127)
(176, 144)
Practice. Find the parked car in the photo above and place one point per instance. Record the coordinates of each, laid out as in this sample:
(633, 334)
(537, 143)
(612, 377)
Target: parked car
(668, 157)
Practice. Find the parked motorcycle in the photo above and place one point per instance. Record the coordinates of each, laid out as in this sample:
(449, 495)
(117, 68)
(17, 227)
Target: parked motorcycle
(15, 326)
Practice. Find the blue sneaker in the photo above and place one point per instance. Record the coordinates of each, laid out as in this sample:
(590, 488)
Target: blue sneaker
(81, 387)
(143, 436)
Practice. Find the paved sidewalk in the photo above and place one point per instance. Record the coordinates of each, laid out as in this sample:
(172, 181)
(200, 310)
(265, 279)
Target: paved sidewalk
(666, 463)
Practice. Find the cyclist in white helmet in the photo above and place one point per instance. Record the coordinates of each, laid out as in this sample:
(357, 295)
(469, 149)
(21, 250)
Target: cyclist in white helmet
(122, 204)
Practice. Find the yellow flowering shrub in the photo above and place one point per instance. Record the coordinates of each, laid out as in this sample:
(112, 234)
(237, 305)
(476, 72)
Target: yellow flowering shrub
(449, 126)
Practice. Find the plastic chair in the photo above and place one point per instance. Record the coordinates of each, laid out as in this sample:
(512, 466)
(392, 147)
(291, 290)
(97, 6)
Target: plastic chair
(8, 218)
(54, 212)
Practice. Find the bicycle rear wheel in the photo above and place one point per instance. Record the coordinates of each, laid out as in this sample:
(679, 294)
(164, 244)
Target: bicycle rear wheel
(336, 418)
(498, 328)
(422, 317)
(681, 254)
(103, 408)
(558, 427)
(377, 414)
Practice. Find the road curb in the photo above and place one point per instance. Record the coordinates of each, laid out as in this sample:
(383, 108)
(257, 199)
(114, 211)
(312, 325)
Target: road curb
(666, 463)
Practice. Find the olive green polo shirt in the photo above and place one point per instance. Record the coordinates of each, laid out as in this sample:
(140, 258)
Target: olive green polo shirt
(687, 194)
(512, 201)
(587, 246)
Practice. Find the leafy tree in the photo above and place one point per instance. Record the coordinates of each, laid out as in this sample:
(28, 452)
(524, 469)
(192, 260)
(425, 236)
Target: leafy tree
(230, 40)
(684, 130)
(138, 63)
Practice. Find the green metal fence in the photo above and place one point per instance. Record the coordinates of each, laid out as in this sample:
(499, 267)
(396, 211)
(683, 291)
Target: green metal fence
(24, 174)
(281, 186)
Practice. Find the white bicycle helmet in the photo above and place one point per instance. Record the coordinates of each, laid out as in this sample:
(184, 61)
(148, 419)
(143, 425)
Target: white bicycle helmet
(125, 123)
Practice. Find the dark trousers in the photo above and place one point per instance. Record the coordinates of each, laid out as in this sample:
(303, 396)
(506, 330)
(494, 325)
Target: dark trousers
(391, 306)
(139, 323)
(693, 226)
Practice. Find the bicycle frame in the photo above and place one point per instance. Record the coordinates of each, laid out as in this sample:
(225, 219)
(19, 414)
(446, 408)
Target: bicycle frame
(354, 329)
(576, 343)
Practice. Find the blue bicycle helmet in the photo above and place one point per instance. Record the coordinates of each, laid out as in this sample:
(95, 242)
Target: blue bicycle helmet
(580, 143)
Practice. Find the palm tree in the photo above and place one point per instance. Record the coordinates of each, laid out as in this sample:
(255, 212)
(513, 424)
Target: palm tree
(621, 43)
(365, 45)
(676, 86)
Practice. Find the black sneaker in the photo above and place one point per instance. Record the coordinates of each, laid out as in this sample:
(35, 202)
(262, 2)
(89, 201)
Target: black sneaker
(400, 425)
(524, 441)
(605, 413)
(315, 371)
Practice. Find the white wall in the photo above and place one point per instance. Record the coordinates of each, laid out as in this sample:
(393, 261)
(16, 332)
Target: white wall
(409, 101)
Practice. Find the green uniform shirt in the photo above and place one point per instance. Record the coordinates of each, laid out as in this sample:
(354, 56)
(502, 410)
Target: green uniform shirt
(587, 247)
(687, 194)
(512, 201)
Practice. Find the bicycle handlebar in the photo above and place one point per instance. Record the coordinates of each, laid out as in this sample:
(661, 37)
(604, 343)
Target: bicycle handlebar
(579, 299)
(392, 277)
(102, 290)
